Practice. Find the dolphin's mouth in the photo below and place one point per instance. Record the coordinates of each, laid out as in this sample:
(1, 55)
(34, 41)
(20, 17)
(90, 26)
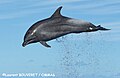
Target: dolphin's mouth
(24, 44)
(27, 42)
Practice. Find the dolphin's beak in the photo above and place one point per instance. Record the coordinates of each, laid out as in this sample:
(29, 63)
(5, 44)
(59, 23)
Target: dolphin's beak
(24, 44)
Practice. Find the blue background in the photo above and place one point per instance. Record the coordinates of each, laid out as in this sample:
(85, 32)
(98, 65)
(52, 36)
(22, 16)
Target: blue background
(84, 55)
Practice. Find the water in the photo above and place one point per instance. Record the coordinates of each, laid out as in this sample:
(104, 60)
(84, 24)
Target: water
(85, 55)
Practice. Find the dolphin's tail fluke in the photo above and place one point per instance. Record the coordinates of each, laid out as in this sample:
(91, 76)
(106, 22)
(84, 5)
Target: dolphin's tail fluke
(101, 28)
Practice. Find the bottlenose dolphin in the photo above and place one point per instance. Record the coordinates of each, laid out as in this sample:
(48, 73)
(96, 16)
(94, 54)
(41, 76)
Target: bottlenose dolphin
(56, 26)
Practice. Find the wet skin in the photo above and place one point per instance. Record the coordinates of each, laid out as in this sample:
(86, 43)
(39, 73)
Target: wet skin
(56, 26)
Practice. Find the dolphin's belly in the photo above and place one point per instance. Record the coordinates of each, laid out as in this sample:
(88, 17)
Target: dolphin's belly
(46, 36)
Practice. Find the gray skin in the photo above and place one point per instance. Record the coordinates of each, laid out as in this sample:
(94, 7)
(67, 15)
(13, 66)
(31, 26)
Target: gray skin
(56, 26)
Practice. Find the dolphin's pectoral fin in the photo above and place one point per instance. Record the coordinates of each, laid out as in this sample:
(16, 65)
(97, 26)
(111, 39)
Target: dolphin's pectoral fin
(45, 44)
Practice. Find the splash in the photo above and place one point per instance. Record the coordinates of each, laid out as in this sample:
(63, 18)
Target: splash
(76, 56)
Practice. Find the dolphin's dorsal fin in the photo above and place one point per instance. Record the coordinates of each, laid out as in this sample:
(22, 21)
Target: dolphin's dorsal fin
(57, 13)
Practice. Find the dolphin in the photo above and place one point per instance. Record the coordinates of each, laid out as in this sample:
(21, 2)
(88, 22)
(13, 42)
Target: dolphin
(56, 26)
